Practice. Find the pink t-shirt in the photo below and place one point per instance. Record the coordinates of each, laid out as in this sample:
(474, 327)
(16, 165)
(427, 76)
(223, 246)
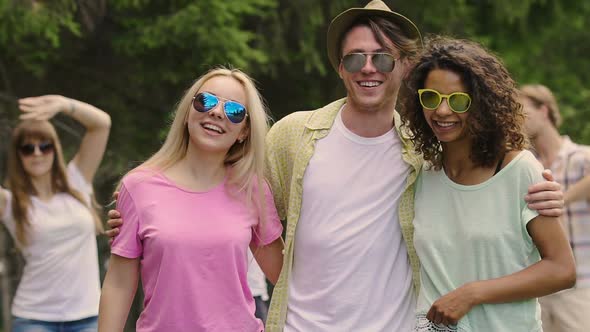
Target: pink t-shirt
(193, 251)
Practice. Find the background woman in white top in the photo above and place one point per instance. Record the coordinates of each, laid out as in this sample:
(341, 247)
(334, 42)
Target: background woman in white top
(47, 209)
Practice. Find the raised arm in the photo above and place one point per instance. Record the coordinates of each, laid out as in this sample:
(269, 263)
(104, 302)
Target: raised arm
(96, 122)
(118, 290)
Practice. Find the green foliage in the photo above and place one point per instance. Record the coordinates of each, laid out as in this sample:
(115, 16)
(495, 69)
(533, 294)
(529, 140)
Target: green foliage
(547, 43)
(31, 32)
(177, 40)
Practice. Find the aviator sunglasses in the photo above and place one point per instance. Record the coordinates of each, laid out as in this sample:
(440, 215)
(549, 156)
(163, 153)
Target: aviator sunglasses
(29, 149)
(354, 62)
(205, 101)
(458, 102)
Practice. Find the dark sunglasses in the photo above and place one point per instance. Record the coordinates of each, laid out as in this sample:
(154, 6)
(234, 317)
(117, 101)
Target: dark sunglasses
(29, 149)
(459, 102)
(354, 62)
(205, 101)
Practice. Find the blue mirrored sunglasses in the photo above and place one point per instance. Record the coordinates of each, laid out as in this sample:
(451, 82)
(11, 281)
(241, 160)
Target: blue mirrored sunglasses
(205, 101)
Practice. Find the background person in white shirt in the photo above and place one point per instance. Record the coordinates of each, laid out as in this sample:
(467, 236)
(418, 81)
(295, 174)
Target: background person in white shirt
(47, 208)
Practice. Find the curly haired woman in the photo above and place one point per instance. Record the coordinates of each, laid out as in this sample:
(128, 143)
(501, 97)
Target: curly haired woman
(485, 255)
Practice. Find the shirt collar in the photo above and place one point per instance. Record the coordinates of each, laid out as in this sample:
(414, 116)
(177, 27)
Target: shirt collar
(324, 117)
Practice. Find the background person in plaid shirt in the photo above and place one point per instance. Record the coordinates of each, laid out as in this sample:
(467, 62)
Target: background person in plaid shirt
(569, 310)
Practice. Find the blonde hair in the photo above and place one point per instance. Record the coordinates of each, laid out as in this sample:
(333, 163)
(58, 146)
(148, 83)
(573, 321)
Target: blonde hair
(541, 95)
(246, 158)
(19, 181)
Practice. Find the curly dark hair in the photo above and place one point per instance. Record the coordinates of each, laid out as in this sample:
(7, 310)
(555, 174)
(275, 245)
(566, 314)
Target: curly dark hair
(496, 120)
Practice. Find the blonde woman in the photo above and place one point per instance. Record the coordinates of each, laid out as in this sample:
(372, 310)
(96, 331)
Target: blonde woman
(191, 213)
(47, 209)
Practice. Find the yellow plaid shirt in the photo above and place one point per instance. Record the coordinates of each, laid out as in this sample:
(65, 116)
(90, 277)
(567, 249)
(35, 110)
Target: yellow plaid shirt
(290, 146)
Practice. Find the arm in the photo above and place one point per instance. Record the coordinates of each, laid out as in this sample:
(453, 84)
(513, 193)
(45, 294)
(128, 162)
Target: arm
(118, 290)
(96, 122)
(555, 271)
(546, 197)
(579, 191)
(268, 250)
(3, 201)
(270, 259)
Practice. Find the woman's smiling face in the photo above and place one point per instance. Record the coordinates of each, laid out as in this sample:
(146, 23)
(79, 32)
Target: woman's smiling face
(212, 131)
(447, 125)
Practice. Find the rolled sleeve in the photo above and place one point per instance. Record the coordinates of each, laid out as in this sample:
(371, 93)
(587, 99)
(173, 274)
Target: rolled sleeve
(128, 243)
(270, 227)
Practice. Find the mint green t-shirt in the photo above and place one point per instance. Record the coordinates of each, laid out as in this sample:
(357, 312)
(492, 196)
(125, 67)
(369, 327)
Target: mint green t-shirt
(476, 232)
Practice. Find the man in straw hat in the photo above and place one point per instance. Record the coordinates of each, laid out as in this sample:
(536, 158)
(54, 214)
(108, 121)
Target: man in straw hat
(343, 179)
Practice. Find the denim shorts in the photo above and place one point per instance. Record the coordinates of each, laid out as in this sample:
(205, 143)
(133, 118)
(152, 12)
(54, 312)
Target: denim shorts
(89, 324)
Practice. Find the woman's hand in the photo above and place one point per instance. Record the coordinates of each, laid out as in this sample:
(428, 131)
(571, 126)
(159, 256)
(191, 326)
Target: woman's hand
(450, 308)
(43, 107)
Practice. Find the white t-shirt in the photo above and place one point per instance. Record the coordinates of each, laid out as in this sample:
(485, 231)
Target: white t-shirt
(60, 279)
(351, 270)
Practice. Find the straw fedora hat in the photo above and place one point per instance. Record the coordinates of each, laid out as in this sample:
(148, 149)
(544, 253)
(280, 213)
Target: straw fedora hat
(374, 8)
